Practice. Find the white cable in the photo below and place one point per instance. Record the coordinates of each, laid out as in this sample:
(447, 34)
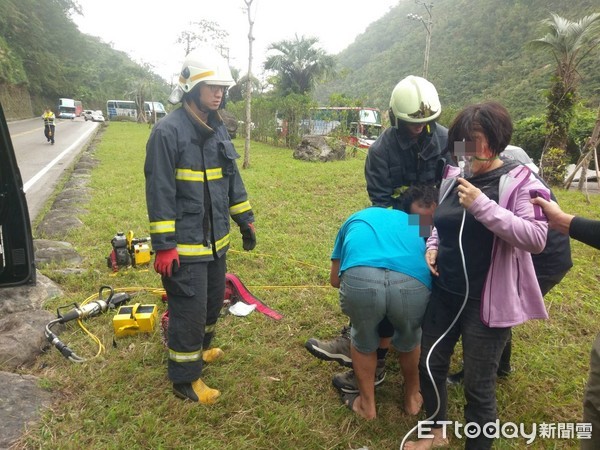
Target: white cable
(437, 394)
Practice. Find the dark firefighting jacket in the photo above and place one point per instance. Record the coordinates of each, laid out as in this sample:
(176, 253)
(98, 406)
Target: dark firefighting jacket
(193, 186)
(395, 162)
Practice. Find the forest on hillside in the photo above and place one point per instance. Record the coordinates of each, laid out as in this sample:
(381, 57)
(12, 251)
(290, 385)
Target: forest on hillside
(478, 51)
(42, 50)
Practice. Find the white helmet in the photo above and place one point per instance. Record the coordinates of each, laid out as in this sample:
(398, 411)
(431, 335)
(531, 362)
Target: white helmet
(203, 64)
(415, 100)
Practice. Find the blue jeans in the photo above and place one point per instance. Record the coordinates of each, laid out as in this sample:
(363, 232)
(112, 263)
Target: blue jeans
(482, 347)
(369, 294)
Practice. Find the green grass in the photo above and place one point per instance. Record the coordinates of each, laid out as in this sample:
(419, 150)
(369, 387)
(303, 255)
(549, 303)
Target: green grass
(275, 395)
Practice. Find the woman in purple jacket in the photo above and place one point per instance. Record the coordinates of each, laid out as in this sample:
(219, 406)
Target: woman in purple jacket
(484, 281)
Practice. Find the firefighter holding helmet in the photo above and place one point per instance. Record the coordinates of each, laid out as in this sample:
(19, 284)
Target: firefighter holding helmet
(193, 188)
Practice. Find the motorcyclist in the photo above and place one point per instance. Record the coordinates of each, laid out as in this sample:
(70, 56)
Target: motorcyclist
(49, 125)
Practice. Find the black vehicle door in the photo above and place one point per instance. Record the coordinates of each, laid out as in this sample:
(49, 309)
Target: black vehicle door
(17, 262)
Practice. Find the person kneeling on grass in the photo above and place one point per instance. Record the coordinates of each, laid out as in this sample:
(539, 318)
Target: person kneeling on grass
(377, 264)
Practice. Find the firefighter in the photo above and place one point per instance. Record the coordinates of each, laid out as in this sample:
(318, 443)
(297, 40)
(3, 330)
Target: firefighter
(193, 187)
(49, 126)
(413, 150)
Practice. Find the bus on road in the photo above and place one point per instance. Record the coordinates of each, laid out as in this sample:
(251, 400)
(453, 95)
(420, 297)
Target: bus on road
(128, 108)
(66, 108)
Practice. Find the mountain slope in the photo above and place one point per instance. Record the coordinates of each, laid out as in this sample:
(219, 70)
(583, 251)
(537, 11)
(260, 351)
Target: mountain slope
(478, 51)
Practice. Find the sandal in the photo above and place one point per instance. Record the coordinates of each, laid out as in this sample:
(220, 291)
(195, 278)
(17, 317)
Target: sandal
(348, 400)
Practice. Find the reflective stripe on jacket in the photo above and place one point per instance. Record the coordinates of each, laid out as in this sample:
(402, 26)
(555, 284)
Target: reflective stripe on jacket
(48, 118)
(193, 186)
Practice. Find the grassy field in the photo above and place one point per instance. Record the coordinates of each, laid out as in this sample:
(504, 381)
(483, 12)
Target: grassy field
(275, 395)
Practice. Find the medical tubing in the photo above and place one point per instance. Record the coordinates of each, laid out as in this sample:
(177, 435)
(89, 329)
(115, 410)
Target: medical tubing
(437, 394)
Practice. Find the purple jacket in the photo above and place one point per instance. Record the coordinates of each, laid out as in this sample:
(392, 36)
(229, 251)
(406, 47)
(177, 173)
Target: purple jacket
(511, 294)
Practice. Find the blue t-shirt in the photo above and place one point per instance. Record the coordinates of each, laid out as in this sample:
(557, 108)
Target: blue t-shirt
(385, 239)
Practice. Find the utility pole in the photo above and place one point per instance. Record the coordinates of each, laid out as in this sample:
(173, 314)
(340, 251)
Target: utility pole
(428, 24)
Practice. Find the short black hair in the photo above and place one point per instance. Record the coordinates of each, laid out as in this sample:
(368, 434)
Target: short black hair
(490, 118)
(423, 193)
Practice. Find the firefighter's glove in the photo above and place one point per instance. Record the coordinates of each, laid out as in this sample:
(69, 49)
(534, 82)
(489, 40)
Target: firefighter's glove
(248, 236)
(166, 262)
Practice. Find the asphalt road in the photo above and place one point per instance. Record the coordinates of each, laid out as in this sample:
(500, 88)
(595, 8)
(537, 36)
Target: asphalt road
(42, 164)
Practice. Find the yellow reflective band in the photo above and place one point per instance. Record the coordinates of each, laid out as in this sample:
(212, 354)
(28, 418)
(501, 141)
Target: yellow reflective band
(182, 357)
(201, 250)
(167, 226)
(214, 174)
(200, 75)
(189, 175)
(198, 175)
(240, 208)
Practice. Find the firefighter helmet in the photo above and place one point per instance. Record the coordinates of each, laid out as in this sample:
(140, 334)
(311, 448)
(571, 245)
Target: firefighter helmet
(205, 65)
(415, 100)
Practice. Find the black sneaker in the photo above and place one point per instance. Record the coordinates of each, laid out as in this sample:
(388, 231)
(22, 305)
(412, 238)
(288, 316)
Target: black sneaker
(346, 381)
(337, 349)
(456, 378)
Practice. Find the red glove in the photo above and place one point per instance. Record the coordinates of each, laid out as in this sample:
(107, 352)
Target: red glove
(166, 262)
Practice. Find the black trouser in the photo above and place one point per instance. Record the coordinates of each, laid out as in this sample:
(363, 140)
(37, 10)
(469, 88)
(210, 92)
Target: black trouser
(49, 132)
(195, 295)
(482, 347)
(591, 399)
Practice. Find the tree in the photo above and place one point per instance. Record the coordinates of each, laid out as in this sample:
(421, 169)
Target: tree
(299, 65)
(570, 43)
(248, 92)
(205, 31)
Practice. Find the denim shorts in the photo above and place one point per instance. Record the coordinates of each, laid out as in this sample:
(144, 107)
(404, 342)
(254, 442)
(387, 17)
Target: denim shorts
(369, 294)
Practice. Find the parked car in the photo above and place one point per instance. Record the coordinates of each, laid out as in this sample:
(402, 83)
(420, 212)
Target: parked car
(87, 114)
(97, 116)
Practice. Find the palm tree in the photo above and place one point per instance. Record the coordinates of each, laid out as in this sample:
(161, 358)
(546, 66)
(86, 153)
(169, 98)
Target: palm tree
(299, 64)
(570, 43)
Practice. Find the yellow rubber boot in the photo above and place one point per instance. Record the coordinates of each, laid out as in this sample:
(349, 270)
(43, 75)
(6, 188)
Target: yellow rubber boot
(205, 394)
(196, 392)
(212, 354)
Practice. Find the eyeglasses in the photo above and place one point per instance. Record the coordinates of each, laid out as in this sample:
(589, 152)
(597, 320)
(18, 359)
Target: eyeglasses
(215, 88)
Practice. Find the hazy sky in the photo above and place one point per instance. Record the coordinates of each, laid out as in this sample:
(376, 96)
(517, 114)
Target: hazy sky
(147, 31)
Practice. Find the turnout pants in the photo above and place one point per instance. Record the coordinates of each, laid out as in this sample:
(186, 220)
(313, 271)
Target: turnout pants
(195, 297)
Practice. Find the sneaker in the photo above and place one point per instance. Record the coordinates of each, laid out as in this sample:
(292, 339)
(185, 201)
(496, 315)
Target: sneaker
(456, 378)
(346, 381)
(196, 392)
(337, 349)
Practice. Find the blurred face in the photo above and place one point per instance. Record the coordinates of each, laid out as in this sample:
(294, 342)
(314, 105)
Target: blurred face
(484, 157)
(415, 129)
(211, 96)
(425, 216)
